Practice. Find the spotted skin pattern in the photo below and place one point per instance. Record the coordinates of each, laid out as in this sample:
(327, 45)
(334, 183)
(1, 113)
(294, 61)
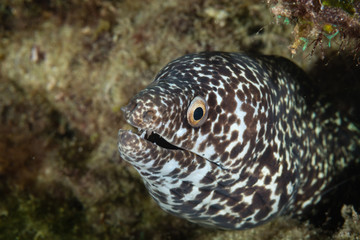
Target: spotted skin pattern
(263, 150)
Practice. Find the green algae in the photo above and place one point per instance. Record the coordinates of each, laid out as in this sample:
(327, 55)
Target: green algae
(346, 5)
(42, 217)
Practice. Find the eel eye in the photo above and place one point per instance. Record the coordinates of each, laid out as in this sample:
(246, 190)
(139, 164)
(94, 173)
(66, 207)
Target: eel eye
(197, 112)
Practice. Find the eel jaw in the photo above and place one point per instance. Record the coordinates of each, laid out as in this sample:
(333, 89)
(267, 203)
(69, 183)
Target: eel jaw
(145, 149)
(156, 139)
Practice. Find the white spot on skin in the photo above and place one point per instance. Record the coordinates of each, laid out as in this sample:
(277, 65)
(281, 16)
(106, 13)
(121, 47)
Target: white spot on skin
(169, 166)
(289, 188)
(181, 132)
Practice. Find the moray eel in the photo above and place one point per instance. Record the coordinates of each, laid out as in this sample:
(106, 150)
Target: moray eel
(231, 140)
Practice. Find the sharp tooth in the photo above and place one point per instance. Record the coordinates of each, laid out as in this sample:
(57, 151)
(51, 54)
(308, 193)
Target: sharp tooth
(148, 133)
(142, 135)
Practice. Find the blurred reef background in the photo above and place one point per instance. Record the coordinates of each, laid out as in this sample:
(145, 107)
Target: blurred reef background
(66, 68)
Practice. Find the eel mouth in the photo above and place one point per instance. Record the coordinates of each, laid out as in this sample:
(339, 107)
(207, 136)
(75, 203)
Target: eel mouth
(141, 147)
(146, 150)
(156, 139)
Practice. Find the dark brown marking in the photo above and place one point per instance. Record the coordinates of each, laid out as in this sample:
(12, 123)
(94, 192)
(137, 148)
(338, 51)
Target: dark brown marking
(235, 151)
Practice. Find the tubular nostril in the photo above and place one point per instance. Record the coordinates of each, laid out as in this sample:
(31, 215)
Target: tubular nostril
(128, 108)
(124, 110)
(139, 114)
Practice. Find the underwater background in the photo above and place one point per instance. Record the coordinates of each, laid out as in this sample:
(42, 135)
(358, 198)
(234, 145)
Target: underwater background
(66, 69)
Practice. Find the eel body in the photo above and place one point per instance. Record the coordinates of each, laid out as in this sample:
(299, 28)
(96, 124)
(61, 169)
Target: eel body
(230, 140)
